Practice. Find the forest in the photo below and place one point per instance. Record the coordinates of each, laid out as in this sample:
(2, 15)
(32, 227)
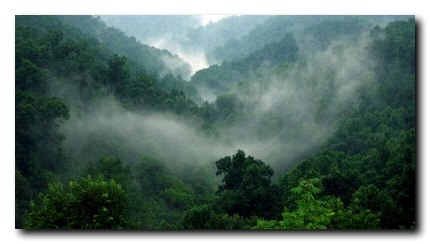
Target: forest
(243, 123)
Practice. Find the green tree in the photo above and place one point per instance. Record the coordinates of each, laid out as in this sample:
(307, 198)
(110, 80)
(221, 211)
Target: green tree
(177, 195)
(205, 217)
(117, 71)
(85, 204)
(246, 187)
(38, 151)
(165, 197)
(37, 122)
(112, 168)
(29, 76)
(325, 213)
(370, 197)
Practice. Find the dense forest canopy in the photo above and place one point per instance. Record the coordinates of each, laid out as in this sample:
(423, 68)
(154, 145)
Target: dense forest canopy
(250, 122)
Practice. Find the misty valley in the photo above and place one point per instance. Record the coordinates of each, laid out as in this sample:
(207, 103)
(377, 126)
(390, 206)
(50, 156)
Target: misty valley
(215, 122)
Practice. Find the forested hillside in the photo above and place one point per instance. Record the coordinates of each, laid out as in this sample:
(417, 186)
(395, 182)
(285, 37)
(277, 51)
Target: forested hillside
(184, 32)
(274, 28)
(62, 73)
(306, 122)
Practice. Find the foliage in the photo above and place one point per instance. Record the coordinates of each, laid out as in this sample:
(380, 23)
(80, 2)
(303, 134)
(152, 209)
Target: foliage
(362, 177)
(204, 217)
(159, 187)
(370, 161)
(230, 74)
(246, 187)
(85, 204)
(140, 55)
(61, 70)
(326, 213)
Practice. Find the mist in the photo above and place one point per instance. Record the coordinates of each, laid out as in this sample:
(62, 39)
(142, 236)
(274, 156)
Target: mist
(283, 118)
(138, 125)
(293, 112)
(108, 129)
(193, 38)
(212, 18)
(287, 113)
(195, 58)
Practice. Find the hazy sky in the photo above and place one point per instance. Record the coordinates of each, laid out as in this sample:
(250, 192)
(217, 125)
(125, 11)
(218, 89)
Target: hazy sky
(206, 19)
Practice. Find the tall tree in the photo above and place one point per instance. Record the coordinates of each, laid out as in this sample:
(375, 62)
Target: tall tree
(246, 187)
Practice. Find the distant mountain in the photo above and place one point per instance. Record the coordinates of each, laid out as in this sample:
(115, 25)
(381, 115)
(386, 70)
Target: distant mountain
(219, 79)
(273, 28)
(185, 35)
(215, 35)
(149, 28)
(160, 62)
(276, 42)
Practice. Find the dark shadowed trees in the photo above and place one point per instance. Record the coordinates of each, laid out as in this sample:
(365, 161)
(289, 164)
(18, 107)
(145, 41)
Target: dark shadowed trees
(246, 187)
